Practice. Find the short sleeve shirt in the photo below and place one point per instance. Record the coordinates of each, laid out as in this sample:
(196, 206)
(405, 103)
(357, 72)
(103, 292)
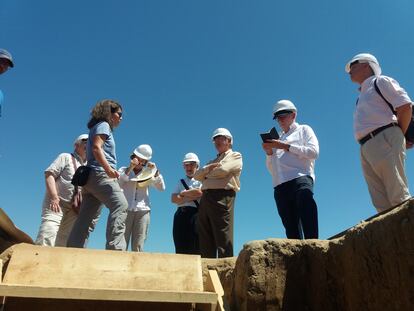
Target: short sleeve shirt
(62, 169)
(192, 184)
(102, 128)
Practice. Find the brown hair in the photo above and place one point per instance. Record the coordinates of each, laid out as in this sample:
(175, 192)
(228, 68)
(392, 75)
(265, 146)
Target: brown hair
(103, 111)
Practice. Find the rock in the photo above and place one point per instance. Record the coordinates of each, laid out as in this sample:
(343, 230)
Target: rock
(369, 267)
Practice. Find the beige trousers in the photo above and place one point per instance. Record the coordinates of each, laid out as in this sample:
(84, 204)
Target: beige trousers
(382, 159)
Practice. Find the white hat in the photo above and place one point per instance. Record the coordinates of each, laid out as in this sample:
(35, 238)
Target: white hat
(80, 138)
(191, 157)
(365, 58)
(282, 107)
(144, 152)
(221, 131)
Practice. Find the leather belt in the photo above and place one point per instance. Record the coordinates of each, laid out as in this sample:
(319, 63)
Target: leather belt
(375, 132)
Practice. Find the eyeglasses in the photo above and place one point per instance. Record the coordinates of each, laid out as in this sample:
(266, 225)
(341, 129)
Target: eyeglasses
(353, 63)
(84, 140)
(119, 114)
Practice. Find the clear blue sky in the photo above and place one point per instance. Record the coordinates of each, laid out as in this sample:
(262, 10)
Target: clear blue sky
(181, 69)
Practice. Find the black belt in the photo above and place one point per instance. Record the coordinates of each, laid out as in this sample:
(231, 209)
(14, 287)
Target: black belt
(187, 208)
(364, 139)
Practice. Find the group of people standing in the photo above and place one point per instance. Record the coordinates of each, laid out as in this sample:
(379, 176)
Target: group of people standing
(203, 222)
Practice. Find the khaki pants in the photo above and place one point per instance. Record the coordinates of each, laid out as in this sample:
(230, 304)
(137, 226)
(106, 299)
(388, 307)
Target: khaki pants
(382, 159)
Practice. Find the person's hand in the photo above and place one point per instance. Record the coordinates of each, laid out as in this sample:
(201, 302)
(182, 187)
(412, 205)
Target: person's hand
(267, 148)
(54, 205)
(134, 162)
(112, 173)
(150, 165)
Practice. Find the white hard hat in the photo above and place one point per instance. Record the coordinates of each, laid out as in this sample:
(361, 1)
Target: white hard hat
(365, 58)
(144, 152)
(80, 138)
(282, 107)
(6, 55)
(221, 131)
(191, 157)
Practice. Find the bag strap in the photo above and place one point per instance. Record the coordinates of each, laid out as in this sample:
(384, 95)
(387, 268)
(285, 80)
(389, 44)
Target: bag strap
(75, 168)
(382, 96)
(187, 188)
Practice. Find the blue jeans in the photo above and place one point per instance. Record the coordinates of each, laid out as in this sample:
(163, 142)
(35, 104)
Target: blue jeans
(297, 208)
(100, 189)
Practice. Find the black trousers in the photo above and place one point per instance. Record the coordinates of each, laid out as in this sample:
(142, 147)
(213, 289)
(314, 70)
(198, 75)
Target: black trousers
(185, 230)
(297, 208)
(215, 223)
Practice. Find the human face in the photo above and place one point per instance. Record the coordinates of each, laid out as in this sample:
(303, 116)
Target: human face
(190, 168)
(222, 143)
(80, 148)
(286, 120)
(140, 162)
(116, 118)
(4, 65)
(359, 72)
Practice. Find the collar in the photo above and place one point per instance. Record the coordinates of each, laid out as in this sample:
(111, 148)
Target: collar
(292, 127)
(367, 83)
(77, 157)
(222, 155)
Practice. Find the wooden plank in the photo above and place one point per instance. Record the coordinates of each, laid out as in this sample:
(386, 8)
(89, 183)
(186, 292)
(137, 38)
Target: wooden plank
(106, 294)
(213, 285)
(100, 269)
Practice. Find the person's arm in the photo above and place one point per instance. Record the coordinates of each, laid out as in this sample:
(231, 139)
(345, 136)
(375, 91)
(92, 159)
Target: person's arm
(97, 143)
(177, 198)
(232, 164)
(192, 194)
(404, 114)
(201, 174)
(52, 192)
(309, 146)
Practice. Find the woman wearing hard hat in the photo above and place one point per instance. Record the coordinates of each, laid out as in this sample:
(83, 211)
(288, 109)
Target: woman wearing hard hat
(186, 195)
(102, 185)
(135, 181)
(221, 181)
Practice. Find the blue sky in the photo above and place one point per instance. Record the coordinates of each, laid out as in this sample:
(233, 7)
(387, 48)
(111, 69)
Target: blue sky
(181, 69)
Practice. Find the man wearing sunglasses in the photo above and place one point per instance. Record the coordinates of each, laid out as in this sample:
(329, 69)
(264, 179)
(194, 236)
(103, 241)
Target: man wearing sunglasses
(135, 181)
(291, 162)
(380, 131)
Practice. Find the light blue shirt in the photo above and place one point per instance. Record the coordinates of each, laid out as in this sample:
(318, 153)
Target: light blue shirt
(102, 128)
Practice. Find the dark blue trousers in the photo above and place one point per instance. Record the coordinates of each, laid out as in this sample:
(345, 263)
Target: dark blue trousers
(185, 231)
(297, 208)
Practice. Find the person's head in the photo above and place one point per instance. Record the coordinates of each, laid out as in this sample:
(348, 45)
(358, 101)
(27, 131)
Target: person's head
(362, 66)
(284, 112)
(143, 153)
(80, 145)
(222, 139)
(6, 61)
(190, 164)
(106, 110)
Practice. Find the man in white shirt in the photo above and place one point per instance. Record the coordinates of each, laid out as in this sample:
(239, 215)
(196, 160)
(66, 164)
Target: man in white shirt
(291, 161)
(380, 132)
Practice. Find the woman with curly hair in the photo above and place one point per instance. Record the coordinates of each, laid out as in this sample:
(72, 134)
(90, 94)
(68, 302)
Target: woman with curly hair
(102, 186)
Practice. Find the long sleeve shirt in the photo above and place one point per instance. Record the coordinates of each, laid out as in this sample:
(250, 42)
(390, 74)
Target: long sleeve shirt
(299, 160)
(138, 197)
(226, 176)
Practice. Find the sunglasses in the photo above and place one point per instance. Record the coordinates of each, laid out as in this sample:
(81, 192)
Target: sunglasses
(119, 114)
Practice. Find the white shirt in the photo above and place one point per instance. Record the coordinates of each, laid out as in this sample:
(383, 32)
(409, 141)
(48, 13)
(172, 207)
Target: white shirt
(371, 111)
(192, 184)
(137, 197)
(62, 170)
(299, 160)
